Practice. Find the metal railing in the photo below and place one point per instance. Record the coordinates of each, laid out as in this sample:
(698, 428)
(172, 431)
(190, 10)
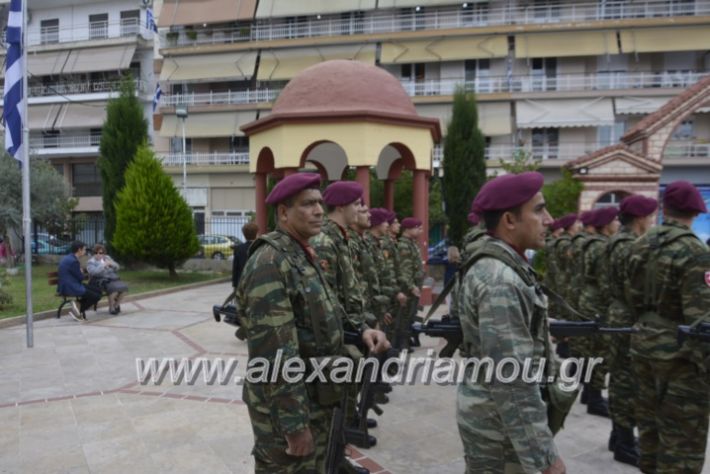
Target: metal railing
(388, 21)
(205, 159)
(249, 96)
(687, 150)
(81, 88)
(64, 141)
(89, 31)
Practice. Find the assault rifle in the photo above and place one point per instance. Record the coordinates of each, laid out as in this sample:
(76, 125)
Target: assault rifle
(699, 331)
(450, 330)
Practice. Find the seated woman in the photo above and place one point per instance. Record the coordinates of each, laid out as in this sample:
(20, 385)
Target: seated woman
(70, 282)
(103, 271)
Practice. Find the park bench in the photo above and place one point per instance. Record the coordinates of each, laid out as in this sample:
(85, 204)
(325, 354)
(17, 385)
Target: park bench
(53, 280)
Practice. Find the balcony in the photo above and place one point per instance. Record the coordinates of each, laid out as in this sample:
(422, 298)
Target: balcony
(65, 145)
(205, 159)
(389, 21)
(90, 31)
(254, 96)
(98, 87)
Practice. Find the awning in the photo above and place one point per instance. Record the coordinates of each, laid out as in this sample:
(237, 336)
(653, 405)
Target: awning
(216, 66)
(110, 58)
(205, 125)
(197, 12)
(415, 3)
(88, 115)
(43, 117)
(578, 43)
(286, 63)
(493, 118)
(639, 105)
(649, 40)
(278, 8)
(565, 113)
(45, 64)
(444, 49)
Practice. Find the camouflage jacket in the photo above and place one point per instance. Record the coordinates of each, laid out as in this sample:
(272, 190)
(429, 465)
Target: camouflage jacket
(575, 264)
(389, 250)
(474, 237)
(504, 317)
(550, 263)
(591, 299)
(411, 270)
(365, 254)
(334, 256)
(668, 285)
(286, 305)
(616, 263)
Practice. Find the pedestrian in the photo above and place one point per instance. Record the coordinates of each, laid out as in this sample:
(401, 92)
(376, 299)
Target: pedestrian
(669, 284)
(250, 231)
(71, 282)
(103, 274)
(504, 426)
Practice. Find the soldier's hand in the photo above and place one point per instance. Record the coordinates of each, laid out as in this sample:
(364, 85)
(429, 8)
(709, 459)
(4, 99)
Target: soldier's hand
(375, 340)
(300, 443)
(388, 318)
(416, 291)
(401, 298)
(558, 467)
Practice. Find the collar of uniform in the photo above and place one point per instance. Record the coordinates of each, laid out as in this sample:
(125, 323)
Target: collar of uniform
(672, 223)
(305, 246)
(510, 247)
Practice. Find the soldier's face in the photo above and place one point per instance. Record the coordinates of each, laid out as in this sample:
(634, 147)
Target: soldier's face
(305, 217)
(363, 217)
(351, 212)
(646, 223)
(531, 225)
(394, 227)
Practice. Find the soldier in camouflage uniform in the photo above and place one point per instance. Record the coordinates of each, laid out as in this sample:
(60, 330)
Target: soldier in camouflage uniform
(287, 307)
(552, 273)
(668, 285)
(473, 238)
(382, 262)
(411, 271)
(503, 313)
(570, 226)
(636, 217)
(593, 303)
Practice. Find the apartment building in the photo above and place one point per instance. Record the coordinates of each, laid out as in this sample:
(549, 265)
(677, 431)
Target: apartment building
(555, 78)
(78, 50)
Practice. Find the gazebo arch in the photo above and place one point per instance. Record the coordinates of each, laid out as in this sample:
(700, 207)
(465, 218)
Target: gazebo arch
(327, 156)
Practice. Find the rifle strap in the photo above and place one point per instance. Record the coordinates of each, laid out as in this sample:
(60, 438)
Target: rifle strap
(560, 301)
(229, 298)
(441, 297)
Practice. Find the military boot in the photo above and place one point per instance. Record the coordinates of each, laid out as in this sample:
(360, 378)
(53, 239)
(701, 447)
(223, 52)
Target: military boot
(596, 404)
(612, 437)
(626, 449)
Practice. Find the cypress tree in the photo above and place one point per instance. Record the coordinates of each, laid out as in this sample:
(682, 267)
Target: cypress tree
(153, 222)
(124, 130)
(464, 163)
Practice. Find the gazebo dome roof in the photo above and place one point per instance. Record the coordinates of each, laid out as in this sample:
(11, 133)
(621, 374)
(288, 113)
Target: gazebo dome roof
(342, 85)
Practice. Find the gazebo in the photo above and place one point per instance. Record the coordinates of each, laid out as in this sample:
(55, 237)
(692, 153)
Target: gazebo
(340, 114)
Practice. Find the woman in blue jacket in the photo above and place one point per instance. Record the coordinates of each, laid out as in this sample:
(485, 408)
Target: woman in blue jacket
(70, 282)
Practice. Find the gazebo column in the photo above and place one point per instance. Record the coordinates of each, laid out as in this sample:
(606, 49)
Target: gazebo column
(389, 194)
(420, 190)
(290, 171)
(261, 214)
(363, 177)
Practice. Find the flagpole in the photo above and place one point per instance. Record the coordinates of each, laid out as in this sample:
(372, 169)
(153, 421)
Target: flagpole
(26, 210)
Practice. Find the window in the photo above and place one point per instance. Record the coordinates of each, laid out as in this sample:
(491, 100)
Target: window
(130, 22)
(412, 18)
(610, 134)
(239, 145)
(95, 136)
(49, 31)
(474, 13)
(544, 74)
(297, 26)
(545, 143)
(59, 169)
(476, 75)
(414, 72)
(98, 26)
(613, 198)
(50, 138)
(352, 23)
(176, 145)
(86, 179)
(684, 131)
(546, 10)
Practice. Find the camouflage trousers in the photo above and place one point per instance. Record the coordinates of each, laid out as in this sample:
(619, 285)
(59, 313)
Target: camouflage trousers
(672, 415)
(270, 445)
(622, 391)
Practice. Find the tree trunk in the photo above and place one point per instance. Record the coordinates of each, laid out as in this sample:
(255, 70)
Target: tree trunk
(171, 269)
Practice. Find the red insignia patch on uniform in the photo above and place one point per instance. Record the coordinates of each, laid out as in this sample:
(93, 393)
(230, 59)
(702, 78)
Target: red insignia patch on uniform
(386, 253)
(324, 265)
(707, 278)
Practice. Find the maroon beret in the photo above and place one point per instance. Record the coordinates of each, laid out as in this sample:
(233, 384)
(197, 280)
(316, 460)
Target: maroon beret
(604, 216)
(473, 218)
(292, 185)
(508, 191)
(683, 196)
(391, 216)
(587, 217)
(378, 216)
(638, 206)
(410, 223)
(565, 222)
(342, 193)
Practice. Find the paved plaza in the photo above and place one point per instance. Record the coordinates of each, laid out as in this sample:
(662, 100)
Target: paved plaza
(72, 404)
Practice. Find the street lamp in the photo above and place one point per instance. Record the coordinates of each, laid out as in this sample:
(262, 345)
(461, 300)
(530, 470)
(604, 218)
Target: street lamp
(181, 112)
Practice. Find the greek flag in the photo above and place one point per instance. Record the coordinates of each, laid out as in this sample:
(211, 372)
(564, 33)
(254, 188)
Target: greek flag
(156, 98)
(14, 72)
(150, 20)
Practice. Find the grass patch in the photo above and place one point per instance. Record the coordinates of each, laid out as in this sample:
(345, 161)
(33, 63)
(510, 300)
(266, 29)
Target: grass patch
(139, 281)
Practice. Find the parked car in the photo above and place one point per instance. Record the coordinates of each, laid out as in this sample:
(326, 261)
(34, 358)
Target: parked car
(43, 247)
(216, 246)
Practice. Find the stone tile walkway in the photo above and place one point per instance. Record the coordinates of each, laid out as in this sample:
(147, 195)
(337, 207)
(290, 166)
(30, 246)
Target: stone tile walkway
(73, 404)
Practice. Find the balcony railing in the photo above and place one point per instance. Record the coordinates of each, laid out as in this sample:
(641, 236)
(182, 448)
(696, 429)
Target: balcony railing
(205, 159)
(82, 88)
(89, 31)
(230, 97)
(63, 141)
(389, 21)
(687, 150)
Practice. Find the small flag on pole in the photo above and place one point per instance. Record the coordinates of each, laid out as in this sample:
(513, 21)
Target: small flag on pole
(156, 98)
(13, 94)
(150, 20)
